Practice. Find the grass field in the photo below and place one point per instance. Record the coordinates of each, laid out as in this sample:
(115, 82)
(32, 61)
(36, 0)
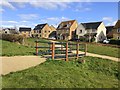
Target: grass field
(11, 49)
(14, 49)
(103, 50)
(95, 73)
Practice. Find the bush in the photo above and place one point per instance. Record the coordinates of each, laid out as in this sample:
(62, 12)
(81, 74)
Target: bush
(92, 39)
(117, 42)
(12, 37)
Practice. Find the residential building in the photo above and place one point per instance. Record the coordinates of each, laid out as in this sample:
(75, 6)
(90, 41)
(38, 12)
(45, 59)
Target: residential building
(43, 30)
(116, 30)
(9, 31)
(109, 32)
(91, 30)
(25, 31)
(66, 30)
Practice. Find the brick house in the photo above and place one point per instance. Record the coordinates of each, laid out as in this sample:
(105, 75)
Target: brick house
(43, 30)
(66, 30)
(116, 30)
(25, 31)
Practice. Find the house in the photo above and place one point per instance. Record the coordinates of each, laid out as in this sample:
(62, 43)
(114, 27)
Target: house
(66, 30)
(9, 31)
(43, 30)
(109, 32)
(25, 31)
(91, 30)
(116, 30)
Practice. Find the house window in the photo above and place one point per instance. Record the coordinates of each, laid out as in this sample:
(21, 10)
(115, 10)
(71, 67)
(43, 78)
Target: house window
(80, 31)
(49, 31)
(45, 31)
(118, 30)
(118, 38)
(40, 31)
(40, 35)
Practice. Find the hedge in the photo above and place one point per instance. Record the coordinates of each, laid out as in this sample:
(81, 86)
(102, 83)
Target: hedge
(117, 42)
(12, 37)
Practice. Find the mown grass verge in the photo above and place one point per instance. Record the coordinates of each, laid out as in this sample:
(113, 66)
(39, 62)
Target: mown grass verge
(95, 73)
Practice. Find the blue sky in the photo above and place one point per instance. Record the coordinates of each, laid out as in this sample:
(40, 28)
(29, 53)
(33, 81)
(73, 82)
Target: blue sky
(32, 13)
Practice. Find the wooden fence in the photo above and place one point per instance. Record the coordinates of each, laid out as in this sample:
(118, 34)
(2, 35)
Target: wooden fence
(61, 50)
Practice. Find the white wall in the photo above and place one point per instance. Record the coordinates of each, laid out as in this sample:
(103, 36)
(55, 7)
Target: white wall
(80, 27)
(101, 32)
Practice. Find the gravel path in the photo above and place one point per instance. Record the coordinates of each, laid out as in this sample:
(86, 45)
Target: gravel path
(17, 63)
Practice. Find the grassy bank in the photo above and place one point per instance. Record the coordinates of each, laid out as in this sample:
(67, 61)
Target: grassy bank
(95, 73)
(15, 49)
(103, 50)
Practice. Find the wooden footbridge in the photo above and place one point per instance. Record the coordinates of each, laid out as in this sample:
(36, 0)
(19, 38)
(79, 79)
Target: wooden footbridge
(60, 50)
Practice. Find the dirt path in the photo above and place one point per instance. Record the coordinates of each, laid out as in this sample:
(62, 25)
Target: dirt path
(100, 56)
(17, 63)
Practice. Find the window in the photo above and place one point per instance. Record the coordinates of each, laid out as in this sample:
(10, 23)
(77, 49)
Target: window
(45, 31)
(80, 31)
(40, 35)
(49, 31)
(118, 37)
(118, 29)
(40, 31)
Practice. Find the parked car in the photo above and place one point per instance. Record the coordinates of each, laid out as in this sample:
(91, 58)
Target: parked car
(53, 38)
(106, 41)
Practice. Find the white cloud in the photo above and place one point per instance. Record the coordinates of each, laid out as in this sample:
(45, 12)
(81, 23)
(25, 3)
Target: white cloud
(28, 16)
(54, 20)
(107, 19)
(50, 5)
(5, 3)
(1, 10)
(80, 7)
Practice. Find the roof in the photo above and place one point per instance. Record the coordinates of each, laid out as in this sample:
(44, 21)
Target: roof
(91, 25)
(24, 29)
(117, 25)
(65, 24)
(109, 29)
(40, 26)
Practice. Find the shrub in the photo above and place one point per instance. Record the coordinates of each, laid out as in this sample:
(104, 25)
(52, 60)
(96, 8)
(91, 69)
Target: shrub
(92, 39)
(117, 42)
(12, 37)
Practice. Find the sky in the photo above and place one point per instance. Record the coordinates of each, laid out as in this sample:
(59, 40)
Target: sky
(29, 14)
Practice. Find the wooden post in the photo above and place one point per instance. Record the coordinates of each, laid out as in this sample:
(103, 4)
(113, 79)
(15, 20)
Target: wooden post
(77, 50)
(36, 48)
(53, 50)
(66, 51)
(85, 49)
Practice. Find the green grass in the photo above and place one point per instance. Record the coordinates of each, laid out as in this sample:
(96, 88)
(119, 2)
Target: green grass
(103, 50)
(95, 73)
(14, 49)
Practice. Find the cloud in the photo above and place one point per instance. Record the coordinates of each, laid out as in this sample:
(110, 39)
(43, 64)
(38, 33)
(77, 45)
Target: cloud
(107, 19)
(80, 7)
(1, 10)
(5, 3)
(28, 16)
(54, 20)
(50, 5)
